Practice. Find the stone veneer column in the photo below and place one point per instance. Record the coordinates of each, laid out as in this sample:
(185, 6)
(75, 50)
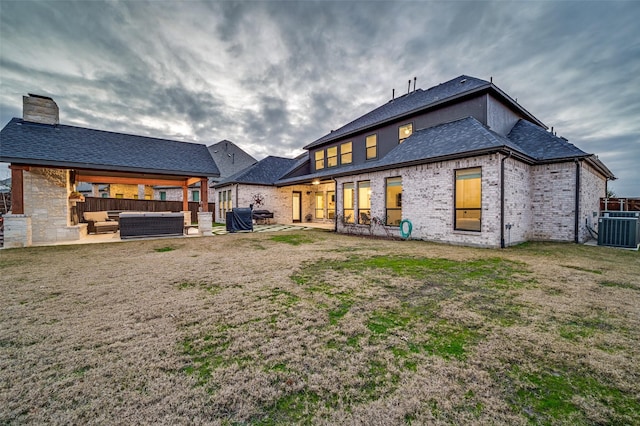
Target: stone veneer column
(17, 231)
(205, 223)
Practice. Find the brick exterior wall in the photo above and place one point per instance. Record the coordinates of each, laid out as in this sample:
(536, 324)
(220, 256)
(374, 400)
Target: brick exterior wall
(517, 206)
(428, 201)
(592, 186)
(277, 200)
(553, 202)
(539, 201)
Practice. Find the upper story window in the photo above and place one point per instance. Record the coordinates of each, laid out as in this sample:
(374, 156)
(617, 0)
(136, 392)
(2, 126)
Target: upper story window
(404, 132)
(332, 156)
(195, 195)
(346, 153)
(372, 146)
(319, 159)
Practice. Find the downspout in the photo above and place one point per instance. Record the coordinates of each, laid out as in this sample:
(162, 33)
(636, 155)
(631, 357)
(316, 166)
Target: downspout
(577, 221)
(335, 214)
(502, 245)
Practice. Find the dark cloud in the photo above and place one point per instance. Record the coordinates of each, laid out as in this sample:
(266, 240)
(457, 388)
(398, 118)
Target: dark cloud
(274, 76)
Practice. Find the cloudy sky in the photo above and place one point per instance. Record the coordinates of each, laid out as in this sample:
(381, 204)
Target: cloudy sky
(275, 76)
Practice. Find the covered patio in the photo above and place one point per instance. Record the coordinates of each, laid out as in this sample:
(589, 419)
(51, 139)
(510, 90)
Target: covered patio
(48, 160)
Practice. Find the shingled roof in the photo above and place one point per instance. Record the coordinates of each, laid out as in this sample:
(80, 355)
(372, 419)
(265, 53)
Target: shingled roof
(77, 147)
(265, 172)
(229, 158)
(416, 101)
(463, 138)
(540, 144)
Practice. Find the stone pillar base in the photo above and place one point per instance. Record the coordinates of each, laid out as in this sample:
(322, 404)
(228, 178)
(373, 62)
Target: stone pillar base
(205, 223)
(17, 231)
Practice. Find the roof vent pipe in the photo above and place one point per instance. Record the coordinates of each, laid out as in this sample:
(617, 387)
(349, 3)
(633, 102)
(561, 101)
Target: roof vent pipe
(414, 83)
(409, 87)
(393, 94)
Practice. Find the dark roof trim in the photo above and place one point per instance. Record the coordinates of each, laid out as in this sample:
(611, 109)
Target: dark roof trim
(87, 166)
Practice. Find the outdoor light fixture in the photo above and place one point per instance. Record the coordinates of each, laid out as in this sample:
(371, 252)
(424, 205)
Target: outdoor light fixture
(315, 182)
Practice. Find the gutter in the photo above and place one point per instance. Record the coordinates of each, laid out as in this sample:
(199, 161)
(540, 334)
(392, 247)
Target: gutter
(502, 245)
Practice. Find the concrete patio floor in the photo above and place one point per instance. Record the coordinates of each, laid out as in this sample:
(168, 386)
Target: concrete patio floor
(114, 237)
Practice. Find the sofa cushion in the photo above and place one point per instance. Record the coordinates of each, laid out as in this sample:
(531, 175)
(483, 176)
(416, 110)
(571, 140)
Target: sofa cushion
(96, 216)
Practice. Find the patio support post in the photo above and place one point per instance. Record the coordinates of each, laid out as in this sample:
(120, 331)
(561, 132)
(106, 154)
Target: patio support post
(17, 189)
(204, 194)
(185, 198)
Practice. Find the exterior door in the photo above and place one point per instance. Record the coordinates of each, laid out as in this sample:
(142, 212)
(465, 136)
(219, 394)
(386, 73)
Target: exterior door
(297, 205)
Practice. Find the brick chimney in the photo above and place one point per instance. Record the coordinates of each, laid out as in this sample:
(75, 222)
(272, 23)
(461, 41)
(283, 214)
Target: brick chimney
(40, 109)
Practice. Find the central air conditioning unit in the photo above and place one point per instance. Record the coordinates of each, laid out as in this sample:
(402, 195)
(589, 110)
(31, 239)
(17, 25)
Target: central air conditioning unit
(619, 229)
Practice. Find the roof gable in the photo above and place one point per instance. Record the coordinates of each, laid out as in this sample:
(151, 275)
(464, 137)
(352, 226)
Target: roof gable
(78, 147)
(265, 172)
(540, 144)
(230, 158)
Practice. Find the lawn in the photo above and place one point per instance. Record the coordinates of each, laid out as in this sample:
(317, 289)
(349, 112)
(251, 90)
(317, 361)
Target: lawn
(311, 327)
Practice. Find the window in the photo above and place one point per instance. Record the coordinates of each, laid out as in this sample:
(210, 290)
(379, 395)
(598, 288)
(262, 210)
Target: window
(195, 196)
(346, 150)
(105, 195)
(163, 195)
(331, 204)
(220, 207)
(319, 205)
(468, 199)
(394, 201)
(119, 195)
(319, 159)
(332, 156)
(371, 144)
(229, 203)
(404, 132)
(364, 202)
(347, 202)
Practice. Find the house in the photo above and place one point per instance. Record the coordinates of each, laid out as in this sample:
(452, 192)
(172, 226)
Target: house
(255, 185)
(49, 159)
(229, 159)
(460, 163)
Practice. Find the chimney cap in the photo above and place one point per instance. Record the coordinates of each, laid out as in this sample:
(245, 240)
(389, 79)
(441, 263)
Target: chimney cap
(40, 96)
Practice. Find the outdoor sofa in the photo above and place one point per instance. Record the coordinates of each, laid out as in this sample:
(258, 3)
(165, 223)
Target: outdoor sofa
(99, 222)
(151, 224)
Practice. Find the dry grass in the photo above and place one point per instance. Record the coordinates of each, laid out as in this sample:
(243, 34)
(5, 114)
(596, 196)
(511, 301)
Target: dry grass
(318, 328)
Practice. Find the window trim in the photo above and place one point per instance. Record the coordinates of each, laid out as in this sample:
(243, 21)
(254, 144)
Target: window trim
(400, 140)
(317, 160)
(350, 152)
(334, 157)
(360, 208)
(344, 207)
(455, 206)
(386, 200)
(366, 148)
